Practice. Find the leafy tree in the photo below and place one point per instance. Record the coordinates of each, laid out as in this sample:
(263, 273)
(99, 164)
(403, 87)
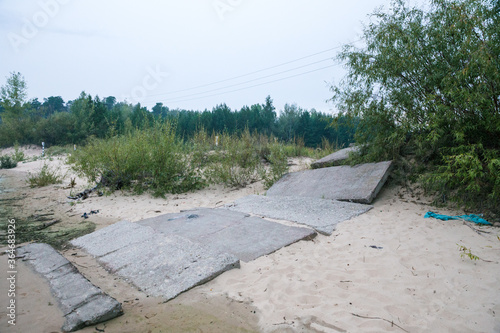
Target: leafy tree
(427, 82)
(15, 123)
(268, 117)
(53, 104)
(110, 102)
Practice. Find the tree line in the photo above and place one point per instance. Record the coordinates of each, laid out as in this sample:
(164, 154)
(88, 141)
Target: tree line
(57, 122)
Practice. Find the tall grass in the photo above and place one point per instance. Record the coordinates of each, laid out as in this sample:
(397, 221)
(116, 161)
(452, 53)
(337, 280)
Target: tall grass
(151, 159)
(156, 160)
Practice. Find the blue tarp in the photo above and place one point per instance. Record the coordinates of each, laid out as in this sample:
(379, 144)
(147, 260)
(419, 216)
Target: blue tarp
(471, 218)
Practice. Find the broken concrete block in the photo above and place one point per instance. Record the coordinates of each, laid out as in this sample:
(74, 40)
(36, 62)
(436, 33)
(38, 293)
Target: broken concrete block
(360, 183)
(321, 214)
(335, 158)
(232, 232)
(82, 303)
(163, 265)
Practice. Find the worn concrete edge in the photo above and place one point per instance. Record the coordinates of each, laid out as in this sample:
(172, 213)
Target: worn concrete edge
(378, 188)
(102, 259)
(226, 268)
(73, 319)
(327, 161)
(382, 181)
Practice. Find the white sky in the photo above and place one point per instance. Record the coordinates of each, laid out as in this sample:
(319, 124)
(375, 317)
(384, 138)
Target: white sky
(111, 47)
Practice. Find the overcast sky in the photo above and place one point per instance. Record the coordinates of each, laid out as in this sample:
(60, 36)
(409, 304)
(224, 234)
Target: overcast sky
(172, 51)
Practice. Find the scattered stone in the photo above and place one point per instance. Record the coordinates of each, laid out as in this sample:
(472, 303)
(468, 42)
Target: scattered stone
(82, 303)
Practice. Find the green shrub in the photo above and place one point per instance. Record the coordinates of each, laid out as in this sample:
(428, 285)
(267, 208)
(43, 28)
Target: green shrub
(278, 165)
(46, 176)
(58, 150)
(7, 162)
(469, 176)
(18, 155)
(152, 159)
(236, 161)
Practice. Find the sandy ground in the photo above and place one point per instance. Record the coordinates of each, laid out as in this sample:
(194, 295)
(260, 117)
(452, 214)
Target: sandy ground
(415, 280)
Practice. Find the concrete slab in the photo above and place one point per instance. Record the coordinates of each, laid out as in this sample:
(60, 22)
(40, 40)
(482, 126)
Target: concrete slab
(163, 265)
(360, 183)
(232, 232)
(335, 158)
(113, 238)
(82, 303)
(321, 214)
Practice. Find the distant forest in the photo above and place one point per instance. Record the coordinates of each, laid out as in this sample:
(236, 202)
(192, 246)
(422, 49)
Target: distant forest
(57, 122)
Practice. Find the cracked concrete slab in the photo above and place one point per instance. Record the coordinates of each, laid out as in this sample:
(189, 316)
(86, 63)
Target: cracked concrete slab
(335, 158)
(82, 303)
(360, 183)
(232, 232)
(321, 214)
(161, 265)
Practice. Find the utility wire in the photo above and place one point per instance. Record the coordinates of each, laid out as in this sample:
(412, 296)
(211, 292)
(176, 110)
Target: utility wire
(248, 81)
(258, 71)
(252, 86)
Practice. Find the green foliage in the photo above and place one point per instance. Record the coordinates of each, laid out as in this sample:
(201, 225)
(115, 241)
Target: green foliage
(469, 174)
(7, 162)
(45, 176)
(10, 161)
(427, 85)
(58, 150)
(18, 155)
(57, 123)
(241, 160)
(465, 252)
(236, 161)
(151, 159)
(278, 165)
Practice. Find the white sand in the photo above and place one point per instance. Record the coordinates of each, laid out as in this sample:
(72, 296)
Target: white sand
(417, 280)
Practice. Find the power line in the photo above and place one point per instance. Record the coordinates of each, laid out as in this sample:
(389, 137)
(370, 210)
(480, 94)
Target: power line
(248, 81)
(258, 71)
(255, 85)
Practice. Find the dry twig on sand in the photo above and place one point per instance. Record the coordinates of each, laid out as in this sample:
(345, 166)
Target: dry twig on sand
(389, 321)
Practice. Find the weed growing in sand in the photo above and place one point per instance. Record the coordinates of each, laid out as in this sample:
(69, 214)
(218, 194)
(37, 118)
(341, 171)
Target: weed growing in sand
(152, 159)
(18, 155)
(46, 176)
(278, 165)
(241, 160)
(235, 163)
(465, 252)
(7, 162)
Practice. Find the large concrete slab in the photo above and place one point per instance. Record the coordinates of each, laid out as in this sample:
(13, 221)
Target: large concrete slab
(82, 303)
(360, 183)
(233, 232)
(161, 265)
(321, 214)
(335, 158)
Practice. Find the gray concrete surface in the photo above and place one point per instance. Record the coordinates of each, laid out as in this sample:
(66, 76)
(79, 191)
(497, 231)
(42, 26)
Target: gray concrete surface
(227, 231)
(360, 183)
(321, 214)
(161, 265)
(82, 303)
(335, 158)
